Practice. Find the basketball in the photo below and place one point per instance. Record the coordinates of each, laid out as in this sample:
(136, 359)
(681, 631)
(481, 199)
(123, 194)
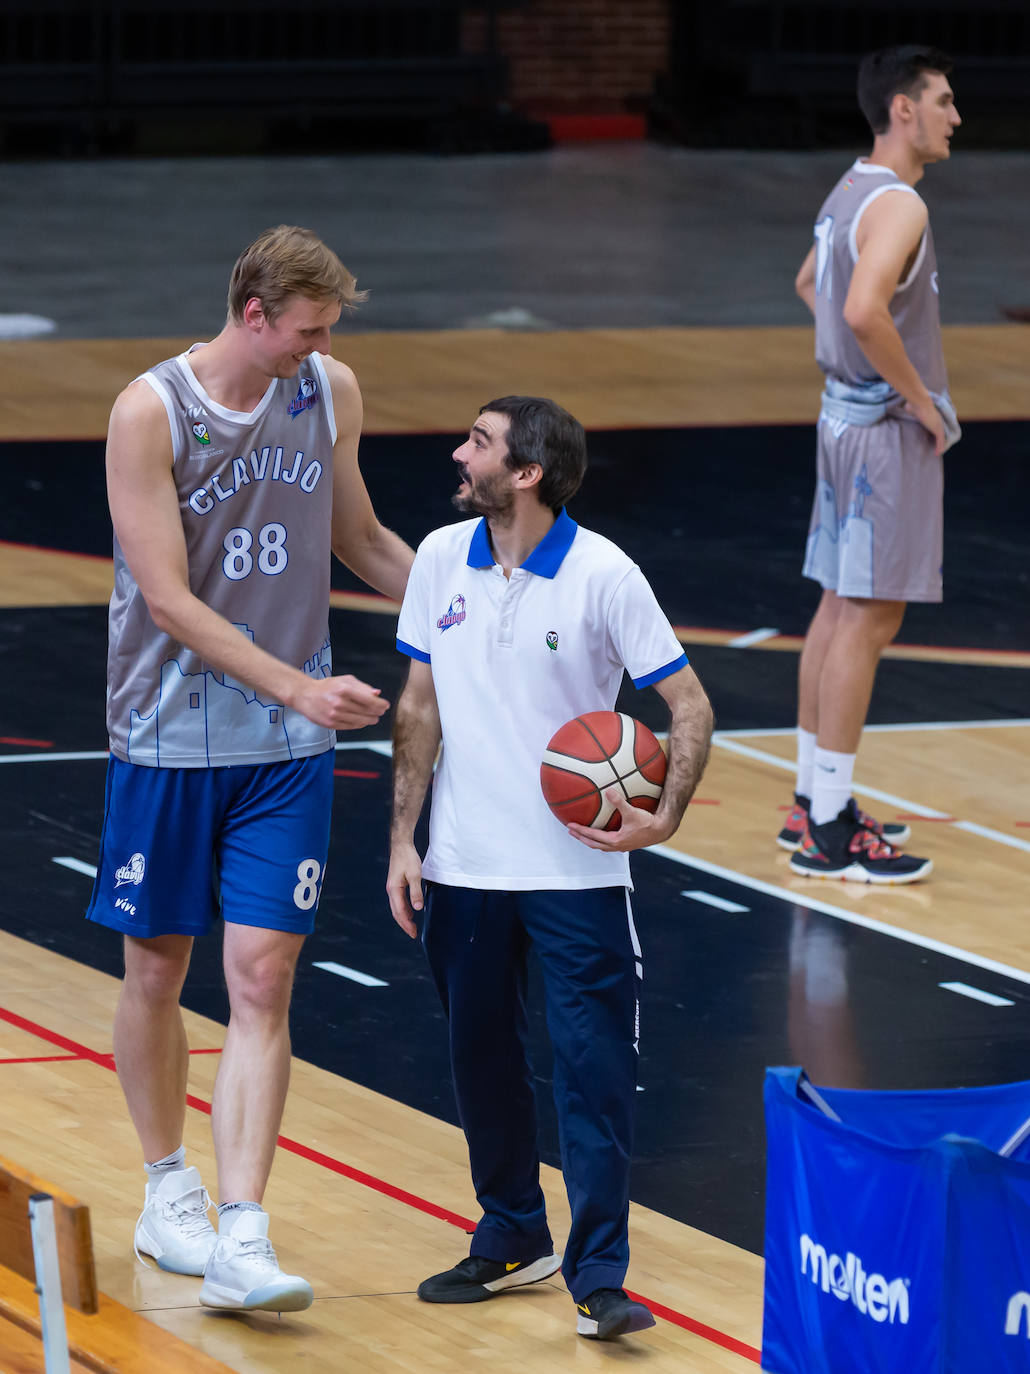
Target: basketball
(593, 752)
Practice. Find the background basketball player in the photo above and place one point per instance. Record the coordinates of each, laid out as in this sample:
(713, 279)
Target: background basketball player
(875, 542)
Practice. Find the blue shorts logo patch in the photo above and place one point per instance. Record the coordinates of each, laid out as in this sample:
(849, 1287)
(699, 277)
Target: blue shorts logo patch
(132, 872)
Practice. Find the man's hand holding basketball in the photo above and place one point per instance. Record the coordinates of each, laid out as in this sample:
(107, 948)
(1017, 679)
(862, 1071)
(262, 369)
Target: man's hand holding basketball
(339, 703)
(639, 828)
(404, 886)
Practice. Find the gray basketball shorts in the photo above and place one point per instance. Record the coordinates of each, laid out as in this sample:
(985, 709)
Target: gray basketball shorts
(877, 519)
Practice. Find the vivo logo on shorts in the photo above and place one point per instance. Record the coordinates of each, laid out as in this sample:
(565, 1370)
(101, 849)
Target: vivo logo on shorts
(1018, 1308)
(872, 1294)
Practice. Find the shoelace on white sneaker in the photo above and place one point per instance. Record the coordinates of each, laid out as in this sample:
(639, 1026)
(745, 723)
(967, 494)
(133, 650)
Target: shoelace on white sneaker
(187, 1212)
(258, 1250)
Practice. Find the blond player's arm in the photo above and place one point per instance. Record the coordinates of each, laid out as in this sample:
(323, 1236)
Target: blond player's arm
(690, 733)
(888, 238)
(378, 556)
(416, 739)
(145, 513)
(804, 282)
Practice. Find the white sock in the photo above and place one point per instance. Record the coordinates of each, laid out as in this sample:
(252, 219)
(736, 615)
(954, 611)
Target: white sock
(831, 784)
(169, 1165)
(229, 1211)
(806, 757)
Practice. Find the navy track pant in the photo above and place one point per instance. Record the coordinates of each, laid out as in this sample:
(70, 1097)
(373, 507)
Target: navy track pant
(477, 943)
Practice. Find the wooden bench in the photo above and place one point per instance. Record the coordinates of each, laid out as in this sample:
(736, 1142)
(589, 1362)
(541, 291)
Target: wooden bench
(103, 1336)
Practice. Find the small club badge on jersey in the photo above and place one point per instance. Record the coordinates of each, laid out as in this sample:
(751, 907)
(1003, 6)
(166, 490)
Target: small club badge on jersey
(454, 614)
(306, 397)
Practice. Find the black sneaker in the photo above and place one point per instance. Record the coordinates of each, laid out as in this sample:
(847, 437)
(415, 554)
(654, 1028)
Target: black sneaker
(610, 1312)
(793, 833)
(475, 1279)
(845, 849)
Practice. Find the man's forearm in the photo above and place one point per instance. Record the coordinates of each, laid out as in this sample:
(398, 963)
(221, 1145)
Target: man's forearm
(416, 738)
(881, 343)
(690, 734)
(383, 561)
(193, 623)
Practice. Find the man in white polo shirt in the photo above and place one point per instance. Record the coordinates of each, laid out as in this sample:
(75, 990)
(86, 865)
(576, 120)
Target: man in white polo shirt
(515, 623)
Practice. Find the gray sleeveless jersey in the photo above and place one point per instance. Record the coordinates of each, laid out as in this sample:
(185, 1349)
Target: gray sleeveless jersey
(914, 306)
(255, 496)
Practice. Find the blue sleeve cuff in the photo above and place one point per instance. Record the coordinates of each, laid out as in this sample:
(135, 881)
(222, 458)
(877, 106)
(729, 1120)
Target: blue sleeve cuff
(651, 678)
(412, 652)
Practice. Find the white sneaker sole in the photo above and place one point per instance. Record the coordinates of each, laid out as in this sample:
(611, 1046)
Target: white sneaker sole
(855, 873)
(542, 1268)
(294, 1296)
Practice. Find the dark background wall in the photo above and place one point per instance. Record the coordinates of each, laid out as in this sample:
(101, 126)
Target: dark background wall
(145, 76)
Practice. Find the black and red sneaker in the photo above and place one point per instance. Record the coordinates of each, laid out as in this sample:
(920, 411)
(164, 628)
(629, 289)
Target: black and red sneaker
(847, 850)
(793, 832)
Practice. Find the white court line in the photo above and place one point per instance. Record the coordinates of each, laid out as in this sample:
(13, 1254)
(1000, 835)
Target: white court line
(783, 731)
(52, 758)
(365, 979)
(374, 746)
(710, 899)
(977, 994)
(754, 637)
(851, 917)
(997, 835)
(77, 866)
(902, 803)
(789, 766)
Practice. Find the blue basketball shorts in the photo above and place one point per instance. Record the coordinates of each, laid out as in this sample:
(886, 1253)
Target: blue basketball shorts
(181, 846)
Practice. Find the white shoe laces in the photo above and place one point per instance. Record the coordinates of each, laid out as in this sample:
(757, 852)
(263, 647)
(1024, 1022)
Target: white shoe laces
(257, 1251)
(187, 1213)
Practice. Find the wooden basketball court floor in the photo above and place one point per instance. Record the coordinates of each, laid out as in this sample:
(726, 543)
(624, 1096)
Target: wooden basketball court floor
(367, 1195)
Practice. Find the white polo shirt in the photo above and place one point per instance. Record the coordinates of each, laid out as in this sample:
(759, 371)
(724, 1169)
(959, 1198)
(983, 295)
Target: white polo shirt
(512, 660)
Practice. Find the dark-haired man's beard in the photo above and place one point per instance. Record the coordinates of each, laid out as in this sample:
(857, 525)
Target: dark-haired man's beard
(490, 496)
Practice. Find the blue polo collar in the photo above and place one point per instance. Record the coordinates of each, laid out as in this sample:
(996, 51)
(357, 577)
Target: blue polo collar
(546, 558)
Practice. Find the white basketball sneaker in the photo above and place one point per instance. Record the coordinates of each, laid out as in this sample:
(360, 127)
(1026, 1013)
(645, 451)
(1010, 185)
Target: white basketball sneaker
(243, 1272)
(173, 1227)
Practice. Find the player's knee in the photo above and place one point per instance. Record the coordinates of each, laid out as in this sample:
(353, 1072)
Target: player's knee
(261, 986)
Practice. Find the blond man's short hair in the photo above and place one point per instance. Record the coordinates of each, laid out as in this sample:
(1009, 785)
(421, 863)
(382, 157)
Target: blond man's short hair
(288, 261)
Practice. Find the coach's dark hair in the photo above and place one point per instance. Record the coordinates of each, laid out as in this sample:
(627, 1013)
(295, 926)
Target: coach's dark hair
(883, 74)
(540, 431)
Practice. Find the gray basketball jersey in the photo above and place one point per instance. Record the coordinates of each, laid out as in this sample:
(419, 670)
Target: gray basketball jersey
(255, 497)
(914, 306)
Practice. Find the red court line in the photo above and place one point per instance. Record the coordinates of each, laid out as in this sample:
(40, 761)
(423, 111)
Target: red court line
(708, 1333)
(337, 1166)
(44, 1059)
(353, 773)
(29, 743)
(71, 1058)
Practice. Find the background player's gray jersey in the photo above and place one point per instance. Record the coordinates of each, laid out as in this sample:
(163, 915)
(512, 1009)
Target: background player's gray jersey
(255, 496)
(914, 306)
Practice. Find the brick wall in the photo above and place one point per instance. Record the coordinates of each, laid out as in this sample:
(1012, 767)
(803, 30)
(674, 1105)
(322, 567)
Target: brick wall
(579, 56)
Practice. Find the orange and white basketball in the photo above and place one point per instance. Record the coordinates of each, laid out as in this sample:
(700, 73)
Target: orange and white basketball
(598, 750)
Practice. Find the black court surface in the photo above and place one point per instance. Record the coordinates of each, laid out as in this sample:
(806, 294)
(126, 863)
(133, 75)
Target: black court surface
(737, 975)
